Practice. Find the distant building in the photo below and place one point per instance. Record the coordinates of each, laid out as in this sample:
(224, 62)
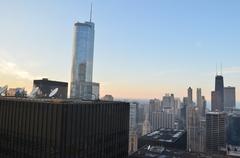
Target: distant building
(169, 138)
(183, 113)
(199, 100)
(133, 142)
(47, 86)
(33, 128)
(168, 102)
(155, 151)
(146, 128)
(215, 132)
(133, 117)
(140, 114)
(229, 99)
(195, 130)
(16, 92)
(218, 94)
(202, 135)
(108, 98)
(154, 106)
(203, 112)
(163, 119)
(190, 100)
(233, 134)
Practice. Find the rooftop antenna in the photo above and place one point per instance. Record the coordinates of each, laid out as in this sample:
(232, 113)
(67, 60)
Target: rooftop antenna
(221, 69)
(91, 13)
(53, 93)
(3, 90)
(34, 92)
(216, 69)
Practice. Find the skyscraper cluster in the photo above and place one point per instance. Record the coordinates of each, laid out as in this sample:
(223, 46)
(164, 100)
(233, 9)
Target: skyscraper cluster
(210, 131)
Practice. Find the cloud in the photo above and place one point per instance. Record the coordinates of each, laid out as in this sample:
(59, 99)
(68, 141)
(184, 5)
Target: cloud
(8, 67)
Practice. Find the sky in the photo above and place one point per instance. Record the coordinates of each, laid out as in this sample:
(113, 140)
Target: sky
(143, 48)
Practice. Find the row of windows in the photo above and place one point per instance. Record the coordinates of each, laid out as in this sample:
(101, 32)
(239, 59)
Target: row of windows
(36, 130)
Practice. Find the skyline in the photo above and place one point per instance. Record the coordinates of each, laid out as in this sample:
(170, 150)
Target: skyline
(212, 36)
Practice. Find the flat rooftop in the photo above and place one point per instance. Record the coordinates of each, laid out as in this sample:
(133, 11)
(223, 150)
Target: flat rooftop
(215, 113)
(165, 135)
(148, 151)
(58, 101)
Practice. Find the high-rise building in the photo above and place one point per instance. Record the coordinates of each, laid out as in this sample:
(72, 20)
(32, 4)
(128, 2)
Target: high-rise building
(193, 129)
(154, 106)
(140, 114)
(183, 114)
(146, 126)
(82, 64)
(199, 98)
(47, 86)
(34, 128)
(168, 102)
(229, 99)
(202, 135)
(163, 119)
(132, 128)
(215, 132)
(190, 100)
(204, 103)
(233, 134)
(133, 116)
(133, 142)
(218, 94)
(201, 103)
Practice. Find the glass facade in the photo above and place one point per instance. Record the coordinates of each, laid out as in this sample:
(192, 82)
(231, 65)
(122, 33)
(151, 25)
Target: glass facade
(82, 63)
(31, 128)
(233, 129)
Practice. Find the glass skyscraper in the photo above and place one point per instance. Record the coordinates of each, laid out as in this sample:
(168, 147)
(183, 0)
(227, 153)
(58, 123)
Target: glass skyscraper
(82, 63)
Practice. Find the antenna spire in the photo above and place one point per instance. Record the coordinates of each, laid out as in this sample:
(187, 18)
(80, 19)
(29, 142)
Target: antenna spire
(221, 68)
(91, 13)
(216, 69)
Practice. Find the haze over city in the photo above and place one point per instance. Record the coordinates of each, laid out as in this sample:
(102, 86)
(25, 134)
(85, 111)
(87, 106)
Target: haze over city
(142, 50)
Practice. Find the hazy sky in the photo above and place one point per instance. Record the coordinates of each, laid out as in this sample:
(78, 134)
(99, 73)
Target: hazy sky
(143, 48)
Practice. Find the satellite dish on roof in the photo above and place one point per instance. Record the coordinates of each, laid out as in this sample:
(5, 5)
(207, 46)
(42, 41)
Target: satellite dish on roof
(3, 89)
(54, 92)
(149, 147)
(34, 92)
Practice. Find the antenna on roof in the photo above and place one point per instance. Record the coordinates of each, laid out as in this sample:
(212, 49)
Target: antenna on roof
(34, 92)
(91, 13)
(216, 69)
(3, 90)
(53, 93)
(221, 68)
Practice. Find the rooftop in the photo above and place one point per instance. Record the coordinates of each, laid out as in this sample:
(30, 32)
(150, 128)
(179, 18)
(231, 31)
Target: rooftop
(161, 152)
(57, 101)
(165, 135)
(215, 113)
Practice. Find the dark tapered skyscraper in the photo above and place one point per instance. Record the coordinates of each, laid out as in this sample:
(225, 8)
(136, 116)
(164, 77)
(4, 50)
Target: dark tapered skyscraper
(190, 100)
(218, 94)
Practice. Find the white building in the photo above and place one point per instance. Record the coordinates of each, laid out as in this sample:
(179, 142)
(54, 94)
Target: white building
(163, 119)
